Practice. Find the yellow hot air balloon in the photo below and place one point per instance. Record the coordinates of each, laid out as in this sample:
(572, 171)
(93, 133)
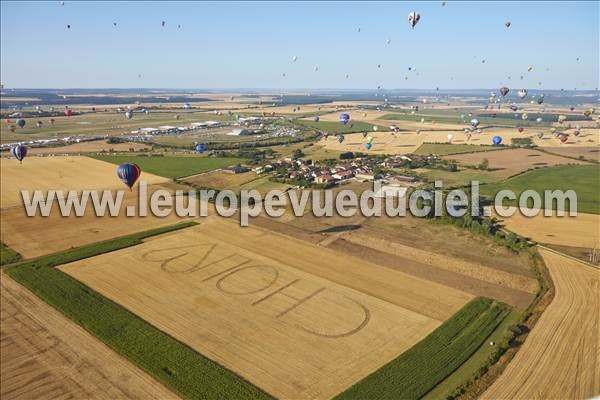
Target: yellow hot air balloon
(529, 69)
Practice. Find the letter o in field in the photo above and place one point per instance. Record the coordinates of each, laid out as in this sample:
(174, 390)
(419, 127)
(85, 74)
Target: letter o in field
(233, 203)
(537, 203)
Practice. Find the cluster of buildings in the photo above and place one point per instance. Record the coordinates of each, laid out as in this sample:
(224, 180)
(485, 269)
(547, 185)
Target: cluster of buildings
(362, 169)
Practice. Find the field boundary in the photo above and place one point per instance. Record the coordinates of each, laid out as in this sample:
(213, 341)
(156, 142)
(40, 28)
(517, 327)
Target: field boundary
(560, 253)
(169, 361)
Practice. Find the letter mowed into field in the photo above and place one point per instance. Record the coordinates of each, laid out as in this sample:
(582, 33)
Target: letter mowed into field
(374, 329)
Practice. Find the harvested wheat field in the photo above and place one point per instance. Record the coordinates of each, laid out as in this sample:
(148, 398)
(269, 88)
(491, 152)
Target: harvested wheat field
(60, 173)
(560, 358)
(37, 236)
(582, 230)
(589, 153)
(46, 356)
(96, 146)
(510, 162)
(306, 322)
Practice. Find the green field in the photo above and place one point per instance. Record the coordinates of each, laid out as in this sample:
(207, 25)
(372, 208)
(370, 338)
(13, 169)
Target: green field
(583, 179)
(443, 149)
(171, 362)
(7, 255)
(173, 166)
(105, 123)
(418, 370)
(470, 369)
(456, 179)
(333, 127)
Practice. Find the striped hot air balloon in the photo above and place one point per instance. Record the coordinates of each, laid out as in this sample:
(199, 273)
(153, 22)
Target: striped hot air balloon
(129, 174)
(19, 152)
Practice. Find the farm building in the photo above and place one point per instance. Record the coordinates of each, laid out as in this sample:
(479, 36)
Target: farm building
(391, 191)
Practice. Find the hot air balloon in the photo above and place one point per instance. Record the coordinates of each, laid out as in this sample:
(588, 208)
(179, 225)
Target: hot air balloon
(524, 116)
(19, 152)
(368, 146)
(129, 173)
(163, 23)
(497, 140)
(129, 114)
(21, 122)
(522, 93)
(507, 24)
(344, 118)
(474, 122)
(538, 119)
(200, 148)
(588, 112)
(52, 121)
(504, 91)
(317, 118)
(520, 129)
(514, 108)
(388, 41)
(540, 135)
(39, 124)
(529, 69)
(563, 138)
(340, 138)
(562, 118)
(370, 139)
(540, 99)
(413, 19)
(68, 112)
(375, 127)
(450, 137)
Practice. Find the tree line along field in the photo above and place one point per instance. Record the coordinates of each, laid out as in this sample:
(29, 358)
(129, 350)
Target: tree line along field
(583, 179)
(172, 166)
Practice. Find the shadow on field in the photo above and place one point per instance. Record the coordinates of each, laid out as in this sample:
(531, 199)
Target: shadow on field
(340, 228)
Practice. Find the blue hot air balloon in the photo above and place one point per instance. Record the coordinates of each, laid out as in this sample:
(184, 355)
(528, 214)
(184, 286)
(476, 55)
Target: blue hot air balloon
(344, 118)
(129, 174)
(200, 148)
(19, 152)
(368, 146)
(21, 122)
(497, 140)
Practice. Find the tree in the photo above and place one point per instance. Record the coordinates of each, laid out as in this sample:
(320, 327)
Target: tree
(484, 165)
(298, 153)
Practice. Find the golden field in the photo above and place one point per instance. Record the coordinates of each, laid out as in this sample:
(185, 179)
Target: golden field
(306, 322)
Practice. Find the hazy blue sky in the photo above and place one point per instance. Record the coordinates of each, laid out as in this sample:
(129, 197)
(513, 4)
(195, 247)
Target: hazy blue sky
(250, 45)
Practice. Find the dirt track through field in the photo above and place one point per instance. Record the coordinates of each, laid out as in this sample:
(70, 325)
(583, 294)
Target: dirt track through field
(45, 356)
(560, 358)
(298, 320)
